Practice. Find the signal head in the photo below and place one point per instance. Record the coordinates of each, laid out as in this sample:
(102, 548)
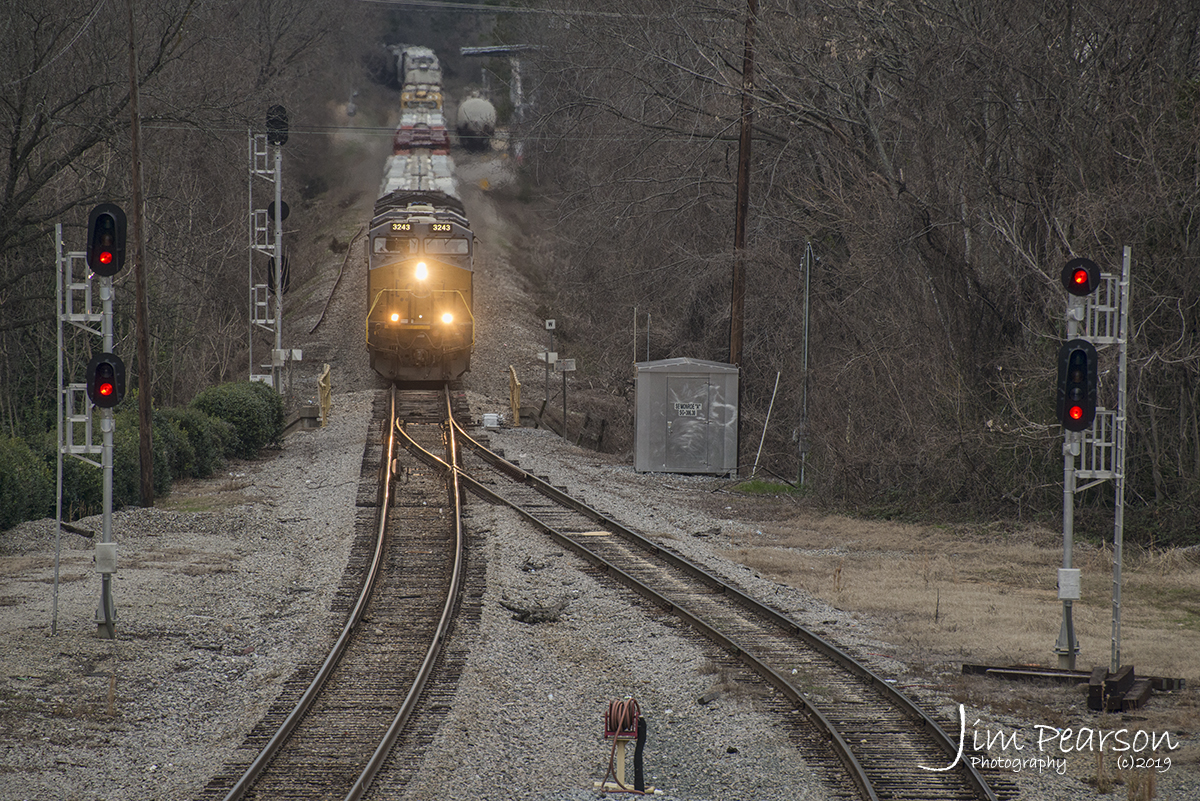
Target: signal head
(1081, 277)
(106, 380)
(277, 125)
(1078, 369)
(106, 239)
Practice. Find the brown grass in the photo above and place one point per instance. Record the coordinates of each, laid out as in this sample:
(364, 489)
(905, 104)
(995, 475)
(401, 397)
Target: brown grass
(944, 596)
(206, 494)
(988, 595)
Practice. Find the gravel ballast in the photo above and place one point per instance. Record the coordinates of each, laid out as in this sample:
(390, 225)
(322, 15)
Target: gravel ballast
(217, 607)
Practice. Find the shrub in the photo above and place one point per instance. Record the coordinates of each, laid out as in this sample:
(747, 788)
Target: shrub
(127, 462)
(254, 409)
(26, 484)
(274, 403)
(205, 441)
(187, 444)
(83, 488)
(230, 420)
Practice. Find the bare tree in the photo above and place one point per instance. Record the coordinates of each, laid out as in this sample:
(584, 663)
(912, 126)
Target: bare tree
(64, 118)
(945, 159)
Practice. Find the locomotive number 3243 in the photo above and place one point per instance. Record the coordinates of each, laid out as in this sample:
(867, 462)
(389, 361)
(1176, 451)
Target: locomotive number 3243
(440, 228)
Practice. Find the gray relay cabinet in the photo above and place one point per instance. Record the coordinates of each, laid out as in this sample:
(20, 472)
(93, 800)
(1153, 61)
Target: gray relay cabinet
(686, 417)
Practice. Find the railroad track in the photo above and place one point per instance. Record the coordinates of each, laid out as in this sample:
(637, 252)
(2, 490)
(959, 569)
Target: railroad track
(867, 730)
(370, 707)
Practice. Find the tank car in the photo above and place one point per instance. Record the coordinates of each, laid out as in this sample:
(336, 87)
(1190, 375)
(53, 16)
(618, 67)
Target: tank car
(420, 324)
(476, 122)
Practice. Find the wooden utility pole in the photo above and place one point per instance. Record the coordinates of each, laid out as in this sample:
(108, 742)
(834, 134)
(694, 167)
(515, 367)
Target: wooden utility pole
(738, 299)
(142, 332)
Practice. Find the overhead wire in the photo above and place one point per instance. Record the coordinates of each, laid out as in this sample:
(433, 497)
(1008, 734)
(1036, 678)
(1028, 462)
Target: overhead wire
(87, 23)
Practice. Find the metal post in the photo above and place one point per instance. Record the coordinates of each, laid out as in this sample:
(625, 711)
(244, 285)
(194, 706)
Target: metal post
(1067, 646)
(276, 368)
(564, 375)
(250, 254)
(58, 251)
(106, 613)
(1119, 466)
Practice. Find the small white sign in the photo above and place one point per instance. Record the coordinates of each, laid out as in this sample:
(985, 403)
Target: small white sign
(551, 357)
(549, 325)
(688, 409)
(106, 557)
(1068, 584)
(564, 366)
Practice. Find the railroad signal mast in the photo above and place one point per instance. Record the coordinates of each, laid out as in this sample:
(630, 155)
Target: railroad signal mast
(266, 237)
(1093, 437)
(104, 384)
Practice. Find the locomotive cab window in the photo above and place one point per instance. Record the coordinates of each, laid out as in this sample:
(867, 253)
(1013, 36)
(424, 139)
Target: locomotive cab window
(402, 245)
(454, 246)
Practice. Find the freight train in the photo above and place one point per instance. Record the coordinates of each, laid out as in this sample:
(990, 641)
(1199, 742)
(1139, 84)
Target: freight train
(420, 324)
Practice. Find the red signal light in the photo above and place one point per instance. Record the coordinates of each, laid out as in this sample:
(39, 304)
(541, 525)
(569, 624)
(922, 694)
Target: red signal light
(1080, 277)
(1076, 412)
(106, 380)
(106, 257)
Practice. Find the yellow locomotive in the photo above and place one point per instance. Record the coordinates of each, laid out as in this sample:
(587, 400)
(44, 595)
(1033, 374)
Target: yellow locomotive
(421, 97)
(420, 325)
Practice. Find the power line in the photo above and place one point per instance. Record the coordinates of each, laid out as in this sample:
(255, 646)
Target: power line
(389, 132)
(471, 7)
(475, 8)
(86, 24)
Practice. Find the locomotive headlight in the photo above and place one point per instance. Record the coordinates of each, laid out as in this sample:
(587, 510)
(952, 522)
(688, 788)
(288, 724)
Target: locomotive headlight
(395, 317)
(422, 271)
(447, 318)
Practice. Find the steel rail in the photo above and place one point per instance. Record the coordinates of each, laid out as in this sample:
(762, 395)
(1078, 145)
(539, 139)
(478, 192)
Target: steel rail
(400, 722)
(302, 707)
(818, 643)
(777, 680)
(332, 292)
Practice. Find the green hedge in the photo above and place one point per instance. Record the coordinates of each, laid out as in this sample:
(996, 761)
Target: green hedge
(200, 443)
(253, 408)
(127, 462)
(231, 420)
(26, 484)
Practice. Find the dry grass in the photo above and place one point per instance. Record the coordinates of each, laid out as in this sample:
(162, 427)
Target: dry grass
(206, 494)
(982, 595)
(946, 596)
